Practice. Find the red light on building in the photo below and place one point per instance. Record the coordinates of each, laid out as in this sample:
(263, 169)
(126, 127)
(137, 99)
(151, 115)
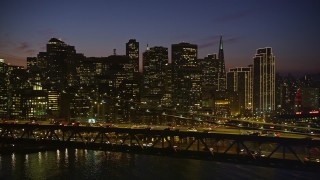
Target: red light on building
(314, 112)
(297, 98)
(297, 102)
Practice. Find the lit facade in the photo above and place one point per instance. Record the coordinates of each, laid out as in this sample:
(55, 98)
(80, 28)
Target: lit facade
(263, 81)
(239, 88)
(34, 104)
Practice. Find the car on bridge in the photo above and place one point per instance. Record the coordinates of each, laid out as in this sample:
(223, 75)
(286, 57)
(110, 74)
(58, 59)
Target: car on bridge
(33, 122)
(9, 121)
(312, 159)
(107, 125)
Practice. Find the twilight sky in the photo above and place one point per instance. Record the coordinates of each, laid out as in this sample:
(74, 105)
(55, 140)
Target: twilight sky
(96, 27)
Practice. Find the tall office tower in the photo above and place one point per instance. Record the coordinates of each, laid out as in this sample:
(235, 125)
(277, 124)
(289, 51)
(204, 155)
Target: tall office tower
(221, 70)
(263, 81)
(61, 64)
(154, 62)
(209, 81)
(210, 73)
(186, 77)
(239, 88)
(127, 87)
(4, 83)
(132, 51)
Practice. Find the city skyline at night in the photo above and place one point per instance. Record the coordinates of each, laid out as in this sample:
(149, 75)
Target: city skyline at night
(95, 29)
(100, 84)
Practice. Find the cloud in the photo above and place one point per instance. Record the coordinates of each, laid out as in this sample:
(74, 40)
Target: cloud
(5, 40)
(231, 40)
(205, 45)
(23, 46)
(215, 40)
(13, 59)
(210, 38)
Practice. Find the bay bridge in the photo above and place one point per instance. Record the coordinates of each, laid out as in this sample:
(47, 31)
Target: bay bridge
(220, 142)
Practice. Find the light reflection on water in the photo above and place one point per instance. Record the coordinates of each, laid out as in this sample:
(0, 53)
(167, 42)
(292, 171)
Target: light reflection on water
(89, 164)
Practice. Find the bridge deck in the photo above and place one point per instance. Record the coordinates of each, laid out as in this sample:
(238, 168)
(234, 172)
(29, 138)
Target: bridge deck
(209, 145)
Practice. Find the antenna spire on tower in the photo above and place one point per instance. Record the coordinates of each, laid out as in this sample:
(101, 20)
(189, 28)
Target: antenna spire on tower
(221, 43)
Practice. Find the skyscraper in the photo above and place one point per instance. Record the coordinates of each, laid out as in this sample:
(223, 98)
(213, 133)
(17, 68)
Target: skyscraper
(209, 82)
(263, 81)
(186, 77)
(221, 69)
(60, 64)
(132, 51)
(154, 64)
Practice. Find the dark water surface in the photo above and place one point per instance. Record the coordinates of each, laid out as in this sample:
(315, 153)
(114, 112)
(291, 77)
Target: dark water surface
(91, 164)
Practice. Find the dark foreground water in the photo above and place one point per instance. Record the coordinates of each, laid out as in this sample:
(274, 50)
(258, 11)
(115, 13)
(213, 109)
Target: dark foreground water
(90, 164)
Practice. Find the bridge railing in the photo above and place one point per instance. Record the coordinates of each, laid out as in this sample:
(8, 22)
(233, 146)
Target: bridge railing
(213, 144)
